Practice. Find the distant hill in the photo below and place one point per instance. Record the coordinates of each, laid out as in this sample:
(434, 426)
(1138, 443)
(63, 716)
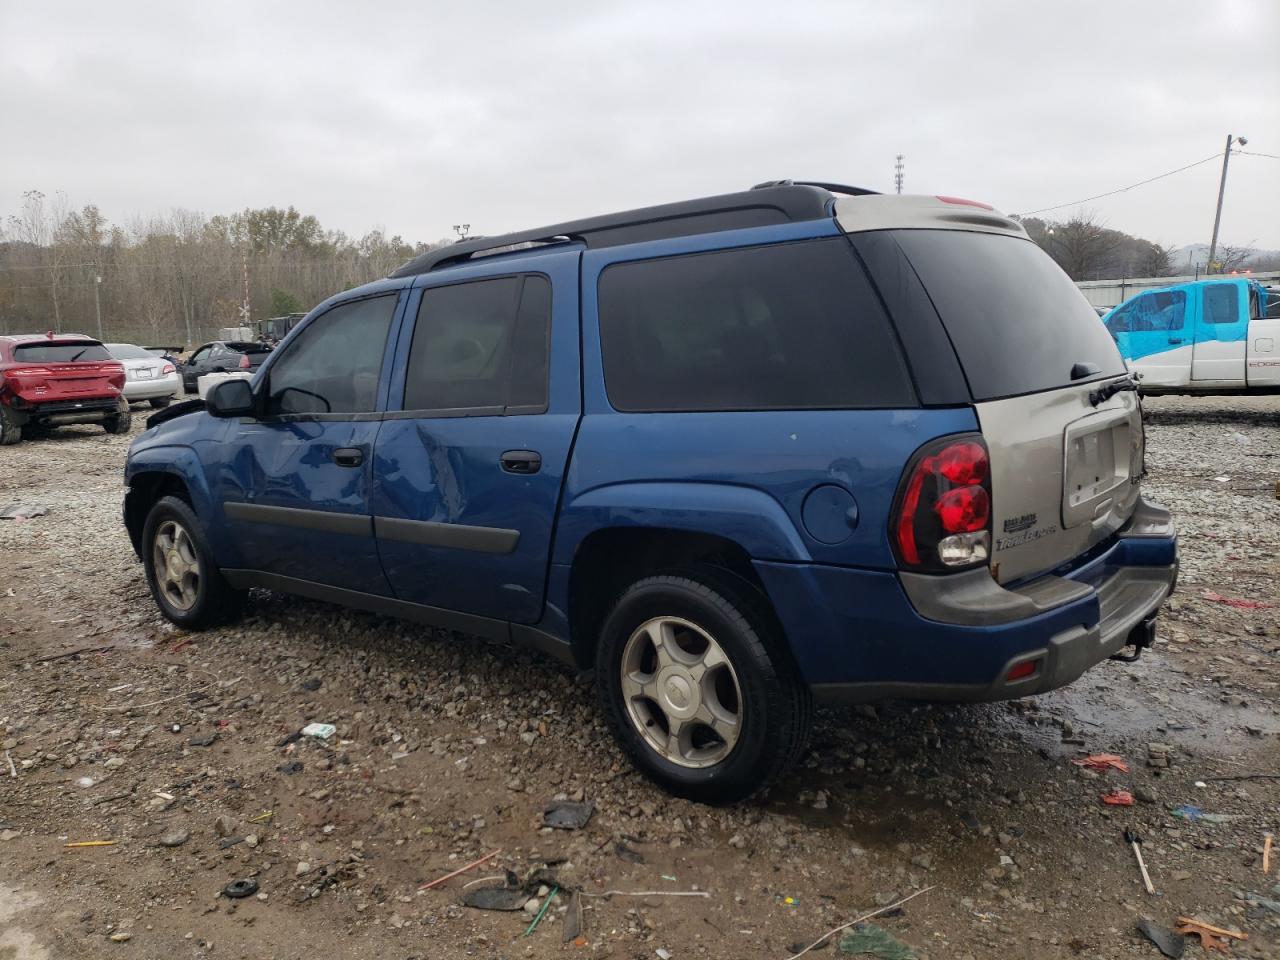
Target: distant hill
(1193, 256)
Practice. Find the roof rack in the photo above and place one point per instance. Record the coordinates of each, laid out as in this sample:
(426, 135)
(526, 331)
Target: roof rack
(780, 201)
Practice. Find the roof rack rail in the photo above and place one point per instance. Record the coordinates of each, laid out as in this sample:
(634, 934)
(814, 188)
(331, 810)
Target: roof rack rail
(765, 205)
(829, 187)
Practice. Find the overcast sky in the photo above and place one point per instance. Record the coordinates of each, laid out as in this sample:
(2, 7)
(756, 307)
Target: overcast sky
(416, 116)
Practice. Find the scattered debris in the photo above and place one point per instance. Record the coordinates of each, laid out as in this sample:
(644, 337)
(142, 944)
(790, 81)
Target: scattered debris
(1211, 938)
(623, 852)
(1167, 942)
(573, 918)
(867, 939)
(320, 731)
(449, 876)
(1235, 602)
(91, 843)
(1118, 798)
(264, 815)
(13, 771)
(1266, 854)
(289, 769)
(75, 653)
(1135, 841)
(1193, 813)
(205, 741)
(568, 815)
(543, 911)
(23, 511)
(505, 898)
(663, 953)
(1102, 762)
(862, 919)
(239, 889)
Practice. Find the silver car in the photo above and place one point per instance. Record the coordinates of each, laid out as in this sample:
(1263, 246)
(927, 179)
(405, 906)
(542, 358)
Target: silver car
(146, 376)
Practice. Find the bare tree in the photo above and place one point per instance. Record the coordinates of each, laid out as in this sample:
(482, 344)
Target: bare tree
(1231, 258)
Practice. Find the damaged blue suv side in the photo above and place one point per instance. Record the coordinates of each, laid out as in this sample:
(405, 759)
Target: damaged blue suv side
(735, 455)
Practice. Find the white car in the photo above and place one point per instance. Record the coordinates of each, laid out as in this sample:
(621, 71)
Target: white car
(146, 376)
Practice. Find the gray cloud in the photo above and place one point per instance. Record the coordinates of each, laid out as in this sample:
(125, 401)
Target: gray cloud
(416, 116)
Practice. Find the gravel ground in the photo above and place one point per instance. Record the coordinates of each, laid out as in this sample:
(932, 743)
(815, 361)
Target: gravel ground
(176, 747)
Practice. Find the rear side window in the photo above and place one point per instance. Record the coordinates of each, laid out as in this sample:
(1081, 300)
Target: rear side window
(1221, 303)
(1016, 320)
(481, 344)
(248, 346)
(59, 352)
(334, 363)
(788, 327)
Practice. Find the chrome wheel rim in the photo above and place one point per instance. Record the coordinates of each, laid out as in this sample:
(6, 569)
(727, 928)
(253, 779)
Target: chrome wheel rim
(176, 565)
(681, 692)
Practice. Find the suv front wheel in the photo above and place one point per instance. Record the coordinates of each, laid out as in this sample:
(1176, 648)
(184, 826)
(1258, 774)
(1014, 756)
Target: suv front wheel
(695, 681)
(186, 585)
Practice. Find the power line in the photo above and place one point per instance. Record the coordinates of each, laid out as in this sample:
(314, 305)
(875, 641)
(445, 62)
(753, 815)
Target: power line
(1111, 193)
(1255, 153)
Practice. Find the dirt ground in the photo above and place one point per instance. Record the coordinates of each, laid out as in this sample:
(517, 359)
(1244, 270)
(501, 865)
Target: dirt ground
(448, 748)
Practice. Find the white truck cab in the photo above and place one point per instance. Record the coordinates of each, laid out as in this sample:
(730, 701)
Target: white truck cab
(1209, 336)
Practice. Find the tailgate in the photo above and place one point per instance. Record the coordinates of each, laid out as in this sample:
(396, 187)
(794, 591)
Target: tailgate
(1064, 475)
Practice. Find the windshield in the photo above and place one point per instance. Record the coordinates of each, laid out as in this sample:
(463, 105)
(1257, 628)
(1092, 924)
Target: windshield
(127, 351)
(1016, 320)
(45, 352)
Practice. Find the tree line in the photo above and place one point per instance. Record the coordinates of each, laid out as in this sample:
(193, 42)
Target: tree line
(174, 279)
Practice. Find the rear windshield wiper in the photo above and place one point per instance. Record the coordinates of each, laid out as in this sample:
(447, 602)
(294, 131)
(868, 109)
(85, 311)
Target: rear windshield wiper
(1105, 393)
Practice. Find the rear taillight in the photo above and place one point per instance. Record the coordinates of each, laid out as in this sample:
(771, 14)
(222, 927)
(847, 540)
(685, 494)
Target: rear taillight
(943, 516)
(168, 368)
(244, 361)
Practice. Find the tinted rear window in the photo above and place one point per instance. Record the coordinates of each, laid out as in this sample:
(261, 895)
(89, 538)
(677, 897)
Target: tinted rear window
(242, 346)
(791, 326)
(59, 352)
(1017, 321)
(127, 351)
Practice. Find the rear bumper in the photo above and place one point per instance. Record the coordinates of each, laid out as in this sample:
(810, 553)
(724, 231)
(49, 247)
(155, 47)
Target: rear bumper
(59, 413)
(866, 635)
(166, 386)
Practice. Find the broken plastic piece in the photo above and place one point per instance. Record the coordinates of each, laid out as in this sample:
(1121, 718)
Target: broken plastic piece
(1118, 798)
(1102, 762)
(321, 731)
(509, 899)
(1167, 942)
(567, 815)
(869, 940)
(1211, 938)
(23, 511)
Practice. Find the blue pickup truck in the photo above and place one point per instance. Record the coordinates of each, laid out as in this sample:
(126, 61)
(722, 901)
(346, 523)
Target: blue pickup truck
(738, 455)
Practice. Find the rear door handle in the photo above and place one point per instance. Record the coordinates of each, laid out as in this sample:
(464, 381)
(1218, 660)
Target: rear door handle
(348, 456)
(521, 461)
(1175, 339)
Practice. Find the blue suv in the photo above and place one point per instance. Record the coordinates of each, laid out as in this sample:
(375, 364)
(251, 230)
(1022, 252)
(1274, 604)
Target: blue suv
(798, 444)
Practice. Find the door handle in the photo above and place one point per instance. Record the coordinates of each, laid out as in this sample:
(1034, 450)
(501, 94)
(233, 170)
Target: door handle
(348, 456)
(521, 461)
(1175, 339)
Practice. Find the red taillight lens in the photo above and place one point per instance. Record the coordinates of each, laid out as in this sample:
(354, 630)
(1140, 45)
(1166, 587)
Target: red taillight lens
(168, 368)
(944, 506)
(244, 361)
(961, 201)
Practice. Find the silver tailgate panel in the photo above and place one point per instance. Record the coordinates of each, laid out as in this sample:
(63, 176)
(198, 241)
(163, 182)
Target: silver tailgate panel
(1063, 475)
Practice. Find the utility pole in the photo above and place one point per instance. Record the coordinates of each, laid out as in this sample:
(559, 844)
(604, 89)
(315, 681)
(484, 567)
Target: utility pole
(244, 309)
(897, 173)
(1222, 187)
(97, 302)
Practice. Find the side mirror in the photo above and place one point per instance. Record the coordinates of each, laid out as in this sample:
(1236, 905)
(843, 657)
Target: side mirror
(231, 398)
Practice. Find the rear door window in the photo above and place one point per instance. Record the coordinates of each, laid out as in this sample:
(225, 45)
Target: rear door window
(786, 327)
(481, 345)
(1016, 320)
(1221, 303)
(59, 352)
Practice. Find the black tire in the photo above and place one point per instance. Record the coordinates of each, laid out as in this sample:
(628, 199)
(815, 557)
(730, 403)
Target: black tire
(159, 403)
(120, 423)
(215, 601)
(12, 429)
(776, 706)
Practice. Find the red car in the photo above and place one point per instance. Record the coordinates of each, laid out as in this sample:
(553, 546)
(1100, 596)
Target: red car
(53, 379)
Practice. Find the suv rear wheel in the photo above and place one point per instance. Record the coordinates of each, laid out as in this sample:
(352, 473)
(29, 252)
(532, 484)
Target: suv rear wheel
(695, 681)
(187, 586)
(118, 423)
